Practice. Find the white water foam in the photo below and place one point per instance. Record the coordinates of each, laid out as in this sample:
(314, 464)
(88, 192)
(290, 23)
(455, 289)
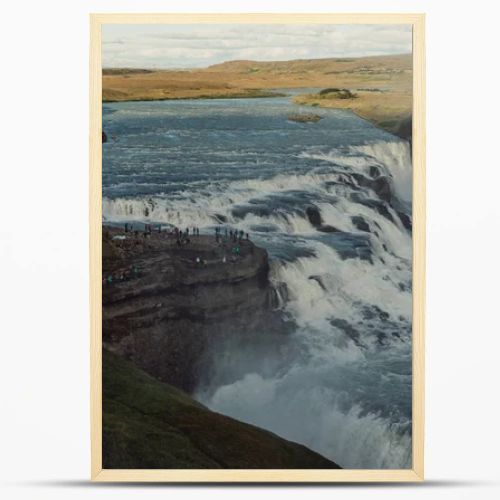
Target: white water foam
(202, 208)
(318, 400)
(393, 157)
(303, 408)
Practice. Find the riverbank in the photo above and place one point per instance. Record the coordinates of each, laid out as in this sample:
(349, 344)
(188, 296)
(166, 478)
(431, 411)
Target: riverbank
(389, 110)
(165, 95)
(382, 84)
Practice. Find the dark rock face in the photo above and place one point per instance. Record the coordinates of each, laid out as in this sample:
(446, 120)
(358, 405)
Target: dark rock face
(360, 223)
(380, 206)
(381, 185)
(314, 216)
(405, 129)
(163, 310)
(104, 137)
(371, 312)
(401, 127)
(304, 117)
(221, 218)
(406, 220)
(326, 228)
(348, 330)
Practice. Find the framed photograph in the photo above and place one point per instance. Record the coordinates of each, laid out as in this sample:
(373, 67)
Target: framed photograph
(257, 247)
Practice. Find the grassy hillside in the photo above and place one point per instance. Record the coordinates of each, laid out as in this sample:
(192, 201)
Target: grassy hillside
(149, 424)
(234, 77)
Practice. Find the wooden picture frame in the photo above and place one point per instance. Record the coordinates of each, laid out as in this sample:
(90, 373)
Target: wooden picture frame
(416, 473)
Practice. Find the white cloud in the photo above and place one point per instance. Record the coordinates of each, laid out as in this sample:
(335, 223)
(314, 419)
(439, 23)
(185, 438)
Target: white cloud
(184, 46)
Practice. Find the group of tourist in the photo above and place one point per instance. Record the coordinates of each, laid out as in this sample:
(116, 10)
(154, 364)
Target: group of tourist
(225, 237)
(230, 240)
(230, 235)
(182, 237)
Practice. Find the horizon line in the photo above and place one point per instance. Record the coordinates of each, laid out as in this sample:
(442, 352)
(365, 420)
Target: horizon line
(157, 68)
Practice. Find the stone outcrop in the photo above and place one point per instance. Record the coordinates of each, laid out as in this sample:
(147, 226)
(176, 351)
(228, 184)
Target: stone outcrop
(163, 310)
(314, 216)
(304, 117)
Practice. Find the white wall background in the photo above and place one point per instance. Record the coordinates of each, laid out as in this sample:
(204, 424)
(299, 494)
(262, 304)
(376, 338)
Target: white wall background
(44, 365)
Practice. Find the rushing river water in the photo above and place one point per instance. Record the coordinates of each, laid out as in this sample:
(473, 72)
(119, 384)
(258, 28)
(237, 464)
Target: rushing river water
(343, 386)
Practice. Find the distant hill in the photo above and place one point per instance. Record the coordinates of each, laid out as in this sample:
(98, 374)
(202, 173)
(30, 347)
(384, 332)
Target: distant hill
(149, 424)
(235, 78)
(340, 64)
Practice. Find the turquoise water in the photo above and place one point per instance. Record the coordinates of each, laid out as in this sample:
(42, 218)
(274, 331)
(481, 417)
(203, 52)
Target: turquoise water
(343, 386)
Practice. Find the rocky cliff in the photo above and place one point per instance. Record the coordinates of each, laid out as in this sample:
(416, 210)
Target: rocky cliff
(163, 310)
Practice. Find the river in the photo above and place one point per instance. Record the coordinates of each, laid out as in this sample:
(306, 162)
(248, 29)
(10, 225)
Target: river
(331, 202)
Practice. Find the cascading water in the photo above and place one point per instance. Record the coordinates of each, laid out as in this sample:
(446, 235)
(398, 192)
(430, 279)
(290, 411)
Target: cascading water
(331, 202)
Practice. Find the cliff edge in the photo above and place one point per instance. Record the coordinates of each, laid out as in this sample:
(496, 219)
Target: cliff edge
(165, 304)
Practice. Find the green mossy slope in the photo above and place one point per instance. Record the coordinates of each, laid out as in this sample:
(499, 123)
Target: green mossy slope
(148, 424)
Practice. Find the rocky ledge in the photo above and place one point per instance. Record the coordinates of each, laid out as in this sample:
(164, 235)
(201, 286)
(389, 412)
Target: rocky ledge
(165, 304)
(304, 117)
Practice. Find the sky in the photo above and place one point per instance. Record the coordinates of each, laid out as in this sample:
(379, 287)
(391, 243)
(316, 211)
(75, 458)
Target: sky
(199, 45)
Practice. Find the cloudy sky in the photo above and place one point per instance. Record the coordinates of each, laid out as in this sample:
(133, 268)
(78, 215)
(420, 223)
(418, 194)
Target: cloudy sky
(191, 46)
